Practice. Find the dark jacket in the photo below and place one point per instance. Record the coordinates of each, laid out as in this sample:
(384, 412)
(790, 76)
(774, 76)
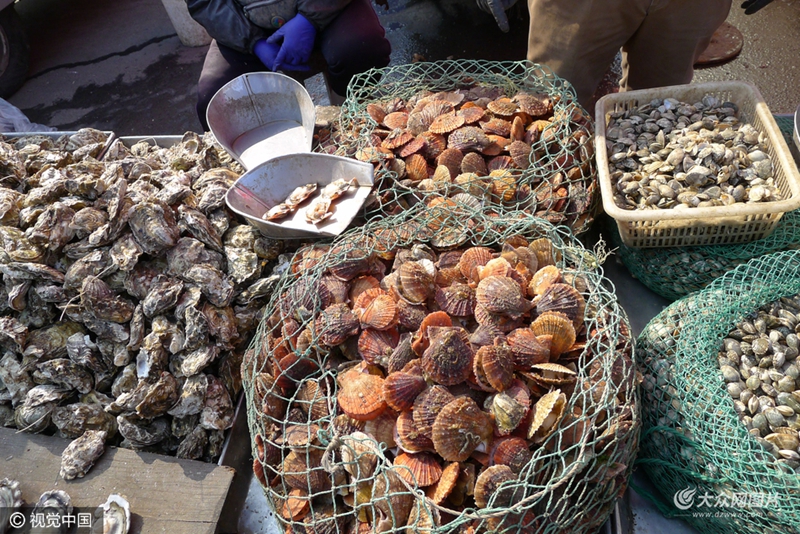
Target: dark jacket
(238, 24)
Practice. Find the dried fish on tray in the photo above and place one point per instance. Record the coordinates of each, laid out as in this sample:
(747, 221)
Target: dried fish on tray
(511, 134)
(129, 292)
(477, 373)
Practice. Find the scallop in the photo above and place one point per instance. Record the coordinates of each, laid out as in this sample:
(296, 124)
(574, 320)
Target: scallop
(396, 119)
(527, 349)
(509, 409)
(471, 259)
(421, 340)
(468, 138)
(377, 346)
(497, 364)
(448, 359)
(361, 284)
(376, 112)
(338, 324)
(457, 299)
(500, 163)
(487, 487)
(312, 398)
(427, 406)
(474, 163)
(416, 281)
(502, 295)
(512, 451)
(446, 484)
(547, 414)
(397, 138)
(302, 470)
(422, 469)
(552, 374)
(495, 267)
(498, 321)
(416, 167)
(452, 159)
(460, 428)
(503, 185)
(544, 250)
(380, 313)
(446, 123)
(517, 129)
(471, 114)
(435, 144)
(534, 105)
(559, 327)
(440, 175)
(382, 427)
(520, 153)
(542, 279)
(361, 395)
(414, 146)
(503, 107)
(408, 437)
(400, 389)
(564, 299)
(497, 126)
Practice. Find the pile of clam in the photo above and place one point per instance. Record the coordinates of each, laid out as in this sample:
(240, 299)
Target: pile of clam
(758, 361)
(529, 149)
(454, 371)
(129, 294)
(112, 517)
(668, 154)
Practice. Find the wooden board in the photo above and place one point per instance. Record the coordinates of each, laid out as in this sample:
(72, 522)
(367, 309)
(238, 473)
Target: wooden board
(165, 494)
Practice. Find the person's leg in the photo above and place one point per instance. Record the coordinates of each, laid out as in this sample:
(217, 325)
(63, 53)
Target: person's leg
(669, 41)
(222, 64)
(354, 42)
(578, 39)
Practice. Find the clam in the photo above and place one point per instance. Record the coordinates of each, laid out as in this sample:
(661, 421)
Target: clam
(460, 427)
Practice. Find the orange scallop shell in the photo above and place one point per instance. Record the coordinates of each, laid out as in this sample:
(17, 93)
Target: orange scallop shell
(542, 279)
(546, 415)
(416, 282)
(361, 284)
(446, 484)
(338, 324)
(559, 327)
(451, 158)
(312, 398)
(472, 258)
(416, 167)
(408, 437)
(376, 112)
(459, 428)
(500, 163)
(421, 468)
(497, 126)
(533, 105)
(397, 138)
(487, 487)
(517, 129)
(421, 339)
(380, 313)
(497, 363)
(396, 119)
(435, 144)
(448, 359)
(471, 114)
(503, 107)
(502, 295)
(412, 147)
(293, 368)
(502, 322)
(377, 346)
(512, 451)
(545, 253)
(361, 395)
(446, 123)
(427, 406)
(400, 389)
(527, 349)
(520, 153)
(410, 316)
(382, 427)
(474, 163)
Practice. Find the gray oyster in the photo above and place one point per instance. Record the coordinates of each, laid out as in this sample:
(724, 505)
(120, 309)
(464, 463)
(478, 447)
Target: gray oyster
(141, 278)
(172, 336)
(192, 397)
(125, 381)
(182, 426)
(37, 313)
(190, 298)
(152, 356)
(33, 419)
(154, 227)
(10, 501)
(174, 192)
(268, 249)
(248, 317)
(218, 175)
(229, 370)
(87, 220)
(73, 420)
(137, 326)
(141, 434)
(220, 220)
(13, 334)
(65, 372)
(92, 264)
(45, 393)
(189, 252)
(31, 271)
(212, 282)
(257, 290)
(218, 410)
(116, 517)
(159, 397)
(196, 328)
(10, 204)
(80, 455)
(17, 247)
(213, 196)
(221, 322)
(193, 445)
(83, 351)
(56, 502)
(50, 342)
(241, 236)
(243, 264)
(125, 252)
(50, 293)
(6, 415)
(116, 332)
(163, 295)
(52, 229)
(15, 378)
(199, 359)
(216, 440)
(17, 291)
(98, 298)
(195, 223)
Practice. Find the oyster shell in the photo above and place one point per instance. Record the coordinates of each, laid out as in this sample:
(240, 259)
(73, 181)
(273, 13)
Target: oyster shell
(80, 455)
(116, 516)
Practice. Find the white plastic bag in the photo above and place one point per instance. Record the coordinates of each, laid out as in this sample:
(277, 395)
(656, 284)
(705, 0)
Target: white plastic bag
(13, 120)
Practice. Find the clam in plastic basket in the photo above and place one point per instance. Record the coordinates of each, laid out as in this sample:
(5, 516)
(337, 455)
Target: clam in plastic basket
(738, 223)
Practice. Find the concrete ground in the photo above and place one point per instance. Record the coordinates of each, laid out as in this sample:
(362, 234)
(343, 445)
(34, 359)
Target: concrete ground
(120, 65)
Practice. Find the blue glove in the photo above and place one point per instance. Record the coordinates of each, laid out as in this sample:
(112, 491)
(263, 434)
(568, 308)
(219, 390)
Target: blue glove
(267, 53)
(751, 6)
(296, 38)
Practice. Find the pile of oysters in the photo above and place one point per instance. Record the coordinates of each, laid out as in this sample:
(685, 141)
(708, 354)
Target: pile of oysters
(129, 293)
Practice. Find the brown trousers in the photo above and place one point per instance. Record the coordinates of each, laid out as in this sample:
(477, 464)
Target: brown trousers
(660, 39)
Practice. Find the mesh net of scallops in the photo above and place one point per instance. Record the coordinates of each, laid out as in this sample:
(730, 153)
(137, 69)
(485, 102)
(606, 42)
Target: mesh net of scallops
(674, 272)
(706, 385)
(510, 134)
(447, 370)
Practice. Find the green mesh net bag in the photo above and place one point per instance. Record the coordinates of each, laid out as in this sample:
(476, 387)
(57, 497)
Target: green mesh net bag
(510, 133)
(446, 370)
(719, 397)
(677, 271)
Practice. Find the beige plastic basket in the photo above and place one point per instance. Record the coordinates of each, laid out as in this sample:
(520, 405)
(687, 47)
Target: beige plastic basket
(739, 223)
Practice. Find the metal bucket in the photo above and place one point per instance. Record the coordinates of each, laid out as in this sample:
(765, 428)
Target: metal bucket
(262, 115)
(271, 182)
